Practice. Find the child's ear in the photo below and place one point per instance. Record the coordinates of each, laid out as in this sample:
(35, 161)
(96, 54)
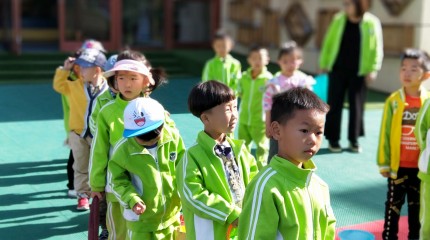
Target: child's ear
(426, 75)
(275, 128)
(204, 118)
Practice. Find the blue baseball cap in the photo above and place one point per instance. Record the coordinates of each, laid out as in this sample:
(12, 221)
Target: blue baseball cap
(110, 62)
(91, 58)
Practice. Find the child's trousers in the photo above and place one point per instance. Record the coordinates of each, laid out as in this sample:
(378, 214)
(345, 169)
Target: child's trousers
(116, 224)
(425, 210)
(81, 154)
(406, 184)
(163, 234)
(258, 135)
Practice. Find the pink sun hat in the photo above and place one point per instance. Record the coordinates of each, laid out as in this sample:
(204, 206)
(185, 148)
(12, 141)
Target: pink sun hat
(132, 66)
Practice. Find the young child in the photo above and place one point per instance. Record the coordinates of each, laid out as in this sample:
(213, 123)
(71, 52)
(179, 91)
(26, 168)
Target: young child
(142, 171)
(290, 58)
(134, 79)
(398, 151)
(214, 172)
(105, 97)
(82, 93)
(286, 200)
(251, 89)
(223, 67)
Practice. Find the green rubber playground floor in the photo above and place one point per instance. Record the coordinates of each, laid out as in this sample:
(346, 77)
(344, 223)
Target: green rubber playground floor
(33, 201)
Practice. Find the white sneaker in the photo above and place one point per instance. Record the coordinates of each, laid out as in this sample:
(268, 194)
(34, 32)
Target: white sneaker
(71, 193)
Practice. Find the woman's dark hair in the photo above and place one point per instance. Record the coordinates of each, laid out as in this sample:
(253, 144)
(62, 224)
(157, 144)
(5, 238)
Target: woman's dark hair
(151, 134)
(287, 103)
(207, 95)
(361, 6)
(288, 48)
(158, 74)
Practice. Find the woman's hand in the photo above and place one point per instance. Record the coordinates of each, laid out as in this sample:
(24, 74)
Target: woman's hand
(370, 78)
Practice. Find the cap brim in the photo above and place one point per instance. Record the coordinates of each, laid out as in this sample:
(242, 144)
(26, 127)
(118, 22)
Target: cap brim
(84, 64)
(133, 133)
(111, 72)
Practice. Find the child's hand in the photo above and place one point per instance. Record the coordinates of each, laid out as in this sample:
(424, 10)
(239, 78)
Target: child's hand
(68, 63)
(97, 194)
(385, 174)
(235, 223)
(139, 208)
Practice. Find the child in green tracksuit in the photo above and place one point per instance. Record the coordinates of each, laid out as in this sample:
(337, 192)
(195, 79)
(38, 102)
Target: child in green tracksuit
(142, 171)
(214, 172)
(398, 150)
(133, 79)
(251, 90)
(286, 200)
(223, 67)
(422, 134)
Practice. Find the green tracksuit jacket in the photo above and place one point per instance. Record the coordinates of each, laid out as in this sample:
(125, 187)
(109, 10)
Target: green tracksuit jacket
(109, 129)
(287, 202)
(207, 202)
(422, 134)
(391, 131)
(251, 93)
(371, 50)
(136, 176)
(227, 71)
(101, 100)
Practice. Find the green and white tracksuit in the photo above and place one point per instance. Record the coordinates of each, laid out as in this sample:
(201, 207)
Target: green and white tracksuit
(391, 131)
(422, 134)
(101, 100)
(207, 202)
(251, 115)
(226, 70)
(137, 174)
(287, 202)
(109, 129)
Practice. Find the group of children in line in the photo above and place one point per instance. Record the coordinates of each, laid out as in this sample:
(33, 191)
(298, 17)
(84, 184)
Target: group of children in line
(128, 152)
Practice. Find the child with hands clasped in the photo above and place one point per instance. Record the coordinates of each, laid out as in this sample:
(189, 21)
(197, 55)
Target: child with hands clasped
(286, 200)
(251, 88)
(134, 79)
(142, 171)
(398, 151)
(214, 172)
(290, 58)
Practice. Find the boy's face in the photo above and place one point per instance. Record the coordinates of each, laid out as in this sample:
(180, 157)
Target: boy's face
(411, 73)
(300, 137)
(290, 62)
(222, 47)
(147, 143)
(221, 119)
(90, 74)
(258, 59)
(131, 84)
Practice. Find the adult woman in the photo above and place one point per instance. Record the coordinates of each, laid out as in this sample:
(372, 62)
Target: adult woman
(352, 54)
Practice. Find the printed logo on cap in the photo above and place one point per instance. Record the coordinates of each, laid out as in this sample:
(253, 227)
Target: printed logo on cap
(89, 55)
(139, 118)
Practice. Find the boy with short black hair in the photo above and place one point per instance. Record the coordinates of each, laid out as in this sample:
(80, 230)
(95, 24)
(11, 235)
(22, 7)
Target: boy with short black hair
(286, 200)
(142, 171)
(214, 172)
(398, 150)
(223, 67)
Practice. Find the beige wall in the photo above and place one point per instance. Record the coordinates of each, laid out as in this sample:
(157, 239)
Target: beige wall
(388, 76)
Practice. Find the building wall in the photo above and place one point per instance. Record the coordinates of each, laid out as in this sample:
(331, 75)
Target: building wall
(388, 80)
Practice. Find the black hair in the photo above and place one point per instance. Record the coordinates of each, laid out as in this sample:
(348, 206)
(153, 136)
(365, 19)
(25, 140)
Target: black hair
(151, 134)
(288, 48)
(420, 55)
(361, 6)
(256, 48)
(222, 36)
(207, 95)
(158, 74)
(286, 103)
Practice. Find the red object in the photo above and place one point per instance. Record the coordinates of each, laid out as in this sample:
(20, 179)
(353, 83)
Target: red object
(93, 223)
